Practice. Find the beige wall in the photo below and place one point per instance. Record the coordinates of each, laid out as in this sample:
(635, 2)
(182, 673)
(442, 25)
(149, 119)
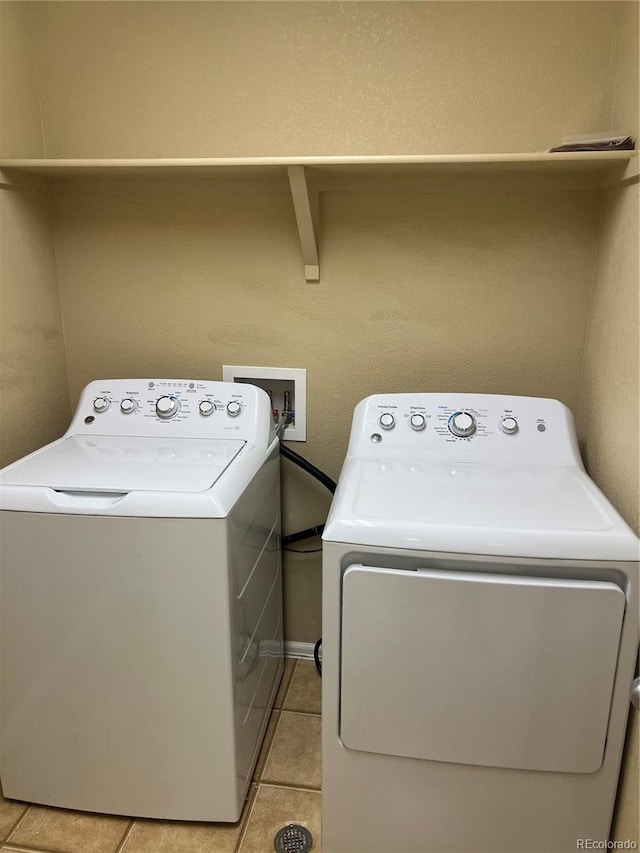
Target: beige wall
(34, 397)
(608, 409)
(20, 123)
(201, 79)
(608, 404)
(625, 114)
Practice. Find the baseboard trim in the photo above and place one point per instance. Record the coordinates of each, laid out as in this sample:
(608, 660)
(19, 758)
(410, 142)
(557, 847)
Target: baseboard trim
(298, 650)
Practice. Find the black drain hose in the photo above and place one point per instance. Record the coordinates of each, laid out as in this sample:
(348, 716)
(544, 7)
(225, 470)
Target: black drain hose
(302, 534)
(316, 656)
(330, 484)
(323, 478)
(308, 467)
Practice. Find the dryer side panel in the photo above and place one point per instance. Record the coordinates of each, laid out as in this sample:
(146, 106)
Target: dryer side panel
(477, 668)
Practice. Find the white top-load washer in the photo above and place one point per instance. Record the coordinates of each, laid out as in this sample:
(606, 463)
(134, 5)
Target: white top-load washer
(140, 602)
(480, 631)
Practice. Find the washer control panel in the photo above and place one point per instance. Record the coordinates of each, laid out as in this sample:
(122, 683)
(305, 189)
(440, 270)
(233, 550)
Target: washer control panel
(184, 408)
(467, 425)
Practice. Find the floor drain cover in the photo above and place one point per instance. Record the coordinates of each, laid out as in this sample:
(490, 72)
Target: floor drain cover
(293, 838)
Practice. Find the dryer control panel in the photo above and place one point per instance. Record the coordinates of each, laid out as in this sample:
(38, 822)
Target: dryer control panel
(478, 427)
(181, 408)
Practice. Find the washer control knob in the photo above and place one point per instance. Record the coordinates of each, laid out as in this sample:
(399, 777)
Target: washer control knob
(100, 404)
(206, 408)
(387, 421)
(462, 424)
(417, 422)
(509, 425)
(127, 406)
(234, 409)
(167, 407)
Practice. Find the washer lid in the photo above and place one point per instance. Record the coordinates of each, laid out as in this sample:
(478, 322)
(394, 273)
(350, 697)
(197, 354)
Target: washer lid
(509, 510)
(107, 463)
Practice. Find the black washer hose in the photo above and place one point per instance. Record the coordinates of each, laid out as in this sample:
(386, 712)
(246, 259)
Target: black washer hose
(330, 484)
(308, 467)
(303, 534)
(316, 656)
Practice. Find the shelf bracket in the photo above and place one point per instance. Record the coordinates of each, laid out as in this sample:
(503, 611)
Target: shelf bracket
(628, 173)
(305, 205)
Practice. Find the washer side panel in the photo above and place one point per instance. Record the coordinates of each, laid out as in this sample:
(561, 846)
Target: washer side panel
(117, 665)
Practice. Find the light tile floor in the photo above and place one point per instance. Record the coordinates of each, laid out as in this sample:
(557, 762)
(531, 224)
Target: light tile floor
(285, 789)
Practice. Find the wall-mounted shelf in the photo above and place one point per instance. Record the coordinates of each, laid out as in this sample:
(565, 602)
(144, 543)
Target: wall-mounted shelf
(610, 167)
(604, 161)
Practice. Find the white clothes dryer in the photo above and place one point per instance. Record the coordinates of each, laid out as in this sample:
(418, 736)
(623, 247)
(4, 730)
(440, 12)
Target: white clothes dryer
(480, 631)
(141, 602)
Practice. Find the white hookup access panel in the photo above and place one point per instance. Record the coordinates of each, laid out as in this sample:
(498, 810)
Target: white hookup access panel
(287, 388)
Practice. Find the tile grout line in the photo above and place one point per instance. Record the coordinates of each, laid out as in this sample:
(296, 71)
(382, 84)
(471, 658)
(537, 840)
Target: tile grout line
(22, 848)
(126, 836)
(10, 846)
(245, 826)
(258, 782)
(270, 746)
(302, 713)
(17, 824)
(264, 779)
(288, 688)
(279, 711)
(291, 787)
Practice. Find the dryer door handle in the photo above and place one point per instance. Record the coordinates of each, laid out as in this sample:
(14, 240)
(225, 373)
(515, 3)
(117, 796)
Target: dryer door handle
(635, 694)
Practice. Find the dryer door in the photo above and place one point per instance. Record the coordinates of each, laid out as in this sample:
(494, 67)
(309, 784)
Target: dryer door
(476, 668)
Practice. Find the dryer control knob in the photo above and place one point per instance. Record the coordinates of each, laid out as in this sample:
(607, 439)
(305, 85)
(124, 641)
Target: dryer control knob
(234, 409)
(206, 408)
(387, 421)
(417, 422)
(101, 404)
(509, 425)
(127, 406)
(462, 424)
(167, 407)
